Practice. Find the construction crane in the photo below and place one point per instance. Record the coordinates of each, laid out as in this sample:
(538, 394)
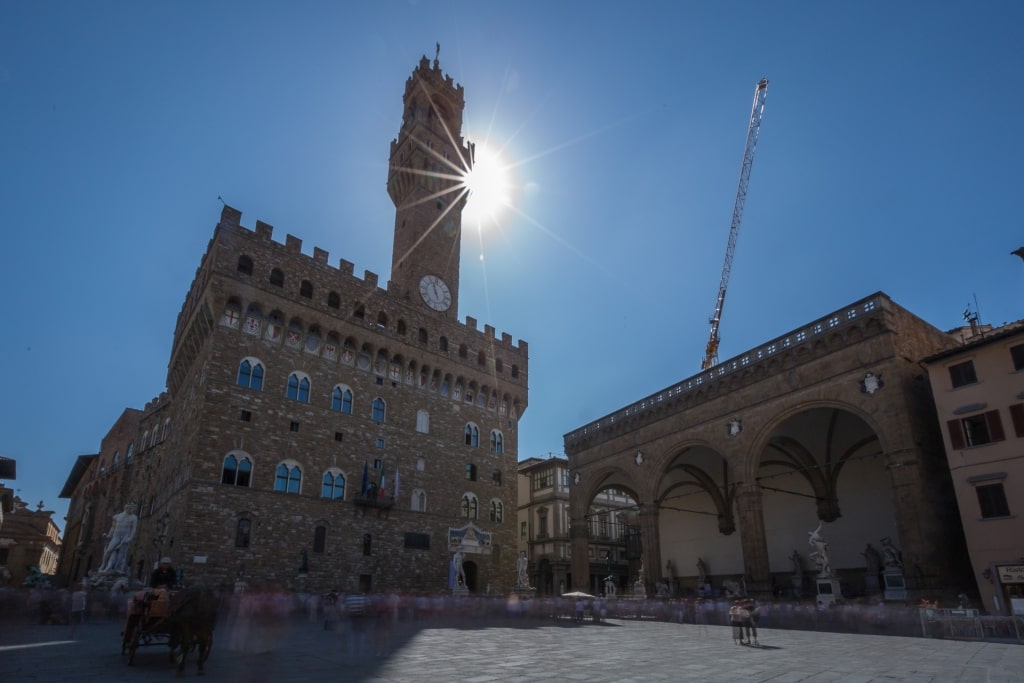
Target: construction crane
(756, 112)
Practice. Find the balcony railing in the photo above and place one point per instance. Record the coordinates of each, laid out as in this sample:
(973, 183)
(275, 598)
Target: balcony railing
(372, 500)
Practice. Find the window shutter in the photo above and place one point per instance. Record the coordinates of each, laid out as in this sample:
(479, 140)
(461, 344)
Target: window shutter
(956, 435)
(995, 425)
(1017, 415)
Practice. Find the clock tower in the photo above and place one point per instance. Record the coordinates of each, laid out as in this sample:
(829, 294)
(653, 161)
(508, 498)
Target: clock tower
(428, 161)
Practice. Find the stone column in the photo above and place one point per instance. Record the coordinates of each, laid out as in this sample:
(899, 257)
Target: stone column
(580, 554)
(651, 546)
(755, 546)
(919, 519)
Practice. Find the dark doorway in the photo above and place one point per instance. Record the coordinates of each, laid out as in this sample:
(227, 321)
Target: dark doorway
(470, 569)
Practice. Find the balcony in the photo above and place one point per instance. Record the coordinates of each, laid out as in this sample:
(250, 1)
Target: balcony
(373, 500)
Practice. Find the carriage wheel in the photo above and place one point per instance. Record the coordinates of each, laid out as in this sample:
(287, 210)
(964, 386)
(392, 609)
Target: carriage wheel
(133, 646)
(130, 628)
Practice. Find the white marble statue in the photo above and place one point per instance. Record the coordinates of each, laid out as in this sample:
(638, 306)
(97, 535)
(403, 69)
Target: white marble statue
(122, 531)
(457, 575)
(820, 554)
(522, 576)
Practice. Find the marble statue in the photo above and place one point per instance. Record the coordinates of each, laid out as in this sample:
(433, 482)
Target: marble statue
(893, 556)
(820, 554)
(522, 578)
(702, 571)
(872, 560)
(456, 572)
(122, 531)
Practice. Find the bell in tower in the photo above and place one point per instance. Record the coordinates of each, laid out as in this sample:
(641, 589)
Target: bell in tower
(428, 164)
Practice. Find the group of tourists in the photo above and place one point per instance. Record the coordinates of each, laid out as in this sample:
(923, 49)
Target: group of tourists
(743, 615)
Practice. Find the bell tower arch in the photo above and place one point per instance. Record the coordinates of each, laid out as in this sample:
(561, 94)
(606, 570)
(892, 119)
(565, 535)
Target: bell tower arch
(428, 161)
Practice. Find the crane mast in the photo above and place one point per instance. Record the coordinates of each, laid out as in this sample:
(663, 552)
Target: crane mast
(756, 112)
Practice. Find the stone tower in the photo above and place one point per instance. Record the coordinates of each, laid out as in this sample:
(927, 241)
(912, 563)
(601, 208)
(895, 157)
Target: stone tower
(428, 160)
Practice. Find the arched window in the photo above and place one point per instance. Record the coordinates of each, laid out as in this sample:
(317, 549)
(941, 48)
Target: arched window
(288, 478)
(341, 399)
(130, 452)
(496, 476)
(319, 538)
(469, 506)
(250, 374)
(472, 435)
(244, 265)
(379, 409)
(277, 277)
(333, 485)
(116, 459)
(442, 344)
(471, 472)
(401, 327)
(167, 429)
(237, 471)
(481, 358)
(497, 442)
(463, 351)
(298, 387)
(306, 289)
(497, 511)
(333, 300)
(144, 441)
(421, 464)
(422, 422)
(242, 533)
(422, 335)
(419, 501)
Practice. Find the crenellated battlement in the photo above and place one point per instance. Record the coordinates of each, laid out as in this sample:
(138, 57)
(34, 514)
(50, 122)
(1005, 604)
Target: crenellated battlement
(232, 235)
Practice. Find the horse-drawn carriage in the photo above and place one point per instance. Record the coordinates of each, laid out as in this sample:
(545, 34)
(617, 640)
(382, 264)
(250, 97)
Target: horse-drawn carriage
(180, 620)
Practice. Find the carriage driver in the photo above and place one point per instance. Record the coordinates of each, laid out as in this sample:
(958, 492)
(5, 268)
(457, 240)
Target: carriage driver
(164, 575)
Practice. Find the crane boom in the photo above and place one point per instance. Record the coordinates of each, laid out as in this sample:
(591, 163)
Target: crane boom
(756, 112)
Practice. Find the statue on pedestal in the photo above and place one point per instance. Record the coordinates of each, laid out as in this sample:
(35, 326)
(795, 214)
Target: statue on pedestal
(702, 572)
(522, 577)
(820, 554)
(892, 554)
(122, 531)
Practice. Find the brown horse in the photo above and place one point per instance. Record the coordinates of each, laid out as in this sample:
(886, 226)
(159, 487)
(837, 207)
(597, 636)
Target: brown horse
(190, 622)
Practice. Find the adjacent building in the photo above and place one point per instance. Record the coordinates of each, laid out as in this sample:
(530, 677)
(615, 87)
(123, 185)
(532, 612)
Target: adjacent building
(829, 428)
(29, 543)
(979, 396)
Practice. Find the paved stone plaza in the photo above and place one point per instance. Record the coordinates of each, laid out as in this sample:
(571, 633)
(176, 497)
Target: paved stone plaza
(619, 650)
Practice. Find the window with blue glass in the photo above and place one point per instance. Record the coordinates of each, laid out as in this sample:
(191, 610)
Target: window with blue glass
(298, 387)
(237, 470)
(288, 478)
(333, 485)
(497, 442)
(379, 408)
(341, 399)
(472, 435)
(250, 374)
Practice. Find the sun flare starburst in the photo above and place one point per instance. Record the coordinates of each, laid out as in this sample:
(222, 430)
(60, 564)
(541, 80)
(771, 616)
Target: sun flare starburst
(489, 185)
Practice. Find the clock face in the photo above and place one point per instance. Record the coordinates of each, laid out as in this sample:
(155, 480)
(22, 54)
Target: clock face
(435, 293)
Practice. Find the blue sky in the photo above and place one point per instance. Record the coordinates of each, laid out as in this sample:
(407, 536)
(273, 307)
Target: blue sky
(889, 159)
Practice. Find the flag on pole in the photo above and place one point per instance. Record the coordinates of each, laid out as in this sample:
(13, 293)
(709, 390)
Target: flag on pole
(383, 482)
(396, 483)
(366, 477)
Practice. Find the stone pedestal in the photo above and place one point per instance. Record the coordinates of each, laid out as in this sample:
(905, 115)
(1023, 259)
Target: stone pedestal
(828, 591)
(639, 591)
(871, 586)
(895, 586)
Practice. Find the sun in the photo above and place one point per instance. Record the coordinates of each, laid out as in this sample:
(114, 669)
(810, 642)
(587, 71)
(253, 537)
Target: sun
(489, 186)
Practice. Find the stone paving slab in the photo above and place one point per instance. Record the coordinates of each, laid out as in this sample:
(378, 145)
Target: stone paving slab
(619, 651)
